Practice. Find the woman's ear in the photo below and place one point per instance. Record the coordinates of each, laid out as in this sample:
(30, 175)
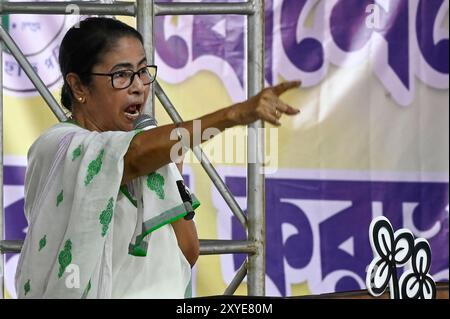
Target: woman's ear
(79, 90)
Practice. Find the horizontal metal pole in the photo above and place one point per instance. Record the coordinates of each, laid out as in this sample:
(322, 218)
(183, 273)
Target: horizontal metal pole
(35, 79)
(204, 8)
(10, 246)
(122, 8)
(201, 156)
(85, 8)
(237, 280)
(207, 247)
(216, 247)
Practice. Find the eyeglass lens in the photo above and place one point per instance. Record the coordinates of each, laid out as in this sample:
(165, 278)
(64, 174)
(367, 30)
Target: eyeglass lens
(123, 79)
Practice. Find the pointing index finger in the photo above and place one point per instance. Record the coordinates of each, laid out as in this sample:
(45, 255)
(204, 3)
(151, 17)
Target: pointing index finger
(285, 86)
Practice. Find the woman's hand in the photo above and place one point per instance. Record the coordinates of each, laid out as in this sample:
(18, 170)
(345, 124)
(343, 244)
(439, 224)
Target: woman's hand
(265, 106)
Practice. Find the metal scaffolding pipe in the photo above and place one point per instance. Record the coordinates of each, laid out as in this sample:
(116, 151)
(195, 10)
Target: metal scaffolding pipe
(201, 156)
(123, 8)
(35, 79)
(10, 246)
(256, 185)
(237, 280)
(2, 211)
(202, 8)
(145, 25)
(207, 247)
(215, 247)
(86, 8)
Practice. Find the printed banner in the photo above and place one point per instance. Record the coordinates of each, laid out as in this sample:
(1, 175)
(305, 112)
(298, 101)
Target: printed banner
(372, 138)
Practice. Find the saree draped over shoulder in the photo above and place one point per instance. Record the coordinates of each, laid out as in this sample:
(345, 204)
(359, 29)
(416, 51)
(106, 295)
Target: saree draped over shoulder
(90, 237)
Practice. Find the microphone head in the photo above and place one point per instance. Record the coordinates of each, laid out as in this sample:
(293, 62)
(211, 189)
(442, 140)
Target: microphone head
(143, 121)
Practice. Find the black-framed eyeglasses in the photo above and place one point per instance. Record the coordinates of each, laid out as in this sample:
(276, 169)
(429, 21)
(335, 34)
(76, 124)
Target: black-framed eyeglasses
(124, 78)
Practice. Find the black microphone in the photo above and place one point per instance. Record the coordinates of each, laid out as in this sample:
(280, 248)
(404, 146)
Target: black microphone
(185, 197)
(147, 122)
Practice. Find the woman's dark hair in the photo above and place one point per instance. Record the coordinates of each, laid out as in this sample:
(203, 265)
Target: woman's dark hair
(83, 46)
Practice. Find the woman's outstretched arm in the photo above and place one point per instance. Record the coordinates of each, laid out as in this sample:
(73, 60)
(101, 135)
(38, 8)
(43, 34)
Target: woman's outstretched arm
(151, 149)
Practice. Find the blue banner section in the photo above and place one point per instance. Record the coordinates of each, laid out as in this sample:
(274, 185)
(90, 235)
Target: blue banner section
(13, 175)
(402, 35)
(330, 221)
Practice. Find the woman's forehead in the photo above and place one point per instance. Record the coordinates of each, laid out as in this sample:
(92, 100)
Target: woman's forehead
(126, 50)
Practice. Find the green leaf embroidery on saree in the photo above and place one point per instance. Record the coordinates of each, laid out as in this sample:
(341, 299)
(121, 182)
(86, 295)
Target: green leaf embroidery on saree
(77, 152)
(27, 287)
(42, 242)
(88, 288)
(106, 216)
(94, 168)
(86, 291)
(59, 198)
(155, 182)
(65, 257)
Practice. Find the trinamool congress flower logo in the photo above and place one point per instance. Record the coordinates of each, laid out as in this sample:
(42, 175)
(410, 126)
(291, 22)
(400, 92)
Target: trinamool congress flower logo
(393, 250)
(38, 37)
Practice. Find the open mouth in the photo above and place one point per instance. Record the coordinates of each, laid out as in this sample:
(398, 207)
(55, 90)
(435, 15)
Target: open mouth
(132, 112)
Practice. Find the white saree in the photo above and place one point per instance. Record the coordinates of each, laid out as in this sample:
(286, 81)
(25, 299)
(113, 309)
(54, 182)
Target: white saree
(88, 237)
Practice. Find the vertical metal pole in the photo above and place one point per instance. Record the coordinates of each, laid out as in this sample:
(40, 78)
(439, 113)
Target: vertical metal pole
(256, 189)
(2, 212)
(145, 18)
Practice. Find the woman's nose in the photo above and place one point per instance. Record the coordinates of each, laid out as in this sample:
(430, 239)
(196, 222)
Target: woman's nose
(137, 86)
